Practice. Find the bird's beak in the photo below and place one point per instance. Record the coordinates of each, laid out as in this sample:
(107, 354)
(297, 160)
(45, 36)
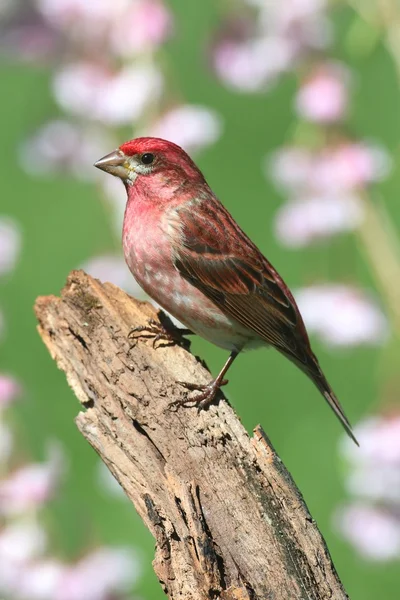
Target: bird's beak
(114, 163)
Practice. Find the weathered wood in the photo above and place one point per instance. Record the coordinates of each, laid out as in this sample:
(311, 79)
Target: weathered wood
(227, 517)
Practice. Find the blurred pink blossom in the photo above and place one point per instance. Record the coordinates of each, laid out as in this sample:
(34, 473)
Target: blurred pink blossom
(125, 27)
(304, 22)
(10, 389)
(94, 92)
(143, 26)
(190, 126)
(304, 221)
(252, 65)
(25, 34)
(112, 268)
(374, 471)
(21, 541)
(291, 168)
(10, 244)
(250, 55)
(30, 486)
(99, 574)
(349, 165)
(67, 13)
(40, 580)
(10, 577)
(341, 315)
(379, 438)
(374, 531)
(66, 147)
(323, 96)
(346, 166)
(87, 20)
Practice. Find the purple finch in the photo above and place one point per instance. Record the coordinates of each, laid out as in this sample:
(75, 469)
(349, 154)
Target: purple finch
(187, 252)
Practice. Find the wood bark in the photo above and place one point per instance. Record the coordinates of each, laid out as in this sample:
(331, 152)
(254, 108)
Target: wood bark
(227, 518)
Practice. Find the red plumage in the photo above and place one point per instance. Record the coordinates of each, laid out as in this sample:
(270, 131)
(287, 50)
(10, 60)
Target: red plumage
(188, 253)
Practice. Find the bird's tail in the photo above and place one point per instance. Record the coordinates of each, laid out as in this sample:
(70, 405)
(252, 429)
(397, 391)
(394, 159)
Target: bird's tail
(310, 366)
(326, 390)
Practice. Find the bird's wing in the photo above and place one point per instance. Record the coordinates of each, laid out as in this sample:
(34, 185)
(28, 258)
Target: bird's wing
(214, 254)
(219, 259)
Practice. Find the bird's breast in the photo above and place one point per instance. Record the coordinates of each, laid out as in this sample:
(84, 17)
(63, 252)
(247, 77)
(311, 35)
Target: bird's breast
(148, 253)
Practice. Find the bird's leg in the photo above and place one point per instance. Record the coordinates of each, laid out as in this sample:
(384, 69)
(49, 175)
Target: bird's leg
(158, 331)
(207, 392)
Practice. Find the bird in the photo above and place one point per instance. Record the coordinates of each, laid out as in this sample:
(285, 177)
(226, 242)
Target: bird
(188, 254)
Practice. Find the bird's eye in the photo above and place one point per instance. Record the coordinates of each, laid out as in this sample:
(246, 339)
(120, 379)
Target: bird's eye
(147, 158)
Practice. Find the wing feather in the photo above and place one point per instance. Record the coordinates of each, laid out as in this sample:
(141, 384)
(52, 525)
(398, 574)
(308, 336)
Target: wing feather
(231, 271)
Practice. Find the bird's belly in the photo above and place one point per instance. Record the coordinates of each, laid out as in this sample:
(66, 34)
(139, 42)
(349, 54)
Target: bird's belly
(162, 282)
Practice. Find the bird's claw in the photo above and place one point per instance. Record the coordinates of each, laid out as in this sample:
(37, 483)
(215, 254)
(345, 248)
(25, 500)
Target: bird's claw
(156, 330)
(153, 329)
(205, 397)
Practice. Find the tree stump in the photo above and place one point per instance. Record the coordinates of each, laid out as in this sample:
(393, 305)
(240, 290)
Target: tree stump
(227, 518)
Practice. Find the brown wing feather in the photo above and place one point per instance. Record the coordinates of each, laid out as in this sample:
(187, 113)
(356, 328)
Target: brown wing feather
(232, 272)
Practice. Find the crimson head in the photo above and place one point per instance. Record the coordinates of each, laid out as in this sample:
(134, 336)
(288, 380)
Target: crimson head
(149, 157)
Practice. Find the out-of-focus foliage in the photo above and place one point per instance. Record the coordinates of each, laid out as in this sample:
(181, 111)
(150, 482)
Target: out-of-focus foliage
(292, 111)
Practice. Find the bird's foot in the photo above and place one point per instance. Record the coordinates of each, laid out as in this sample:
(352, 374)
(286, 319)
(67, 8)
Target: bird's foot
(156, 331)
(205, 396)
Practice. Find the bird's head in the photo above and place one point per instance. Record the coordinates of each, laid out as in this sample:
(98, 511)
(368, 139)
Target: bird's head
(152, 160)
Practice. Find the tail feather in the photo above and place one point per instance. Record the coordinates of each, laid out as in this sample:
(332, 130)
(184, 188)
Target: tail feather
(337, 409)
(310, 366)
(334, 403)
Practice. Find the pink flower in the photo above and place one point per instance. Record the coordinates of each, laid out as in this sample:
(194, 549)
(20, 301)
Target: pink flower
(40, 580)
(304, 22)
(10, 245)
(374, 472)
(190, 126)
(25, 34)
(126, 27)
(68, 13)
(379, 438)
(89, 21)
(374, 532)
(342, 315)
(347, 166)
(66, 147)
(291, 168)
(31, 486)
(323, 96)
(91, 91)
(99, 575)
(252, 65)
(305, 221)
(143, 26)
(10, 389)
(22, 541)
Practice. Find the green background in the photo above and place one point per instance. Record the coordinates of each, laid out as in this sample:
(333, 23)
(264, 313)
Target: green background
(64, 223)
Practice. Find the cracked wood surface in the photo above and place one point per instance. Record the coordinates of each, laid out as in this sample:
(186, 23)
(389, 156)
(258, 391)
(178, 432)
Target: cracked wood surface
(227, 518)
